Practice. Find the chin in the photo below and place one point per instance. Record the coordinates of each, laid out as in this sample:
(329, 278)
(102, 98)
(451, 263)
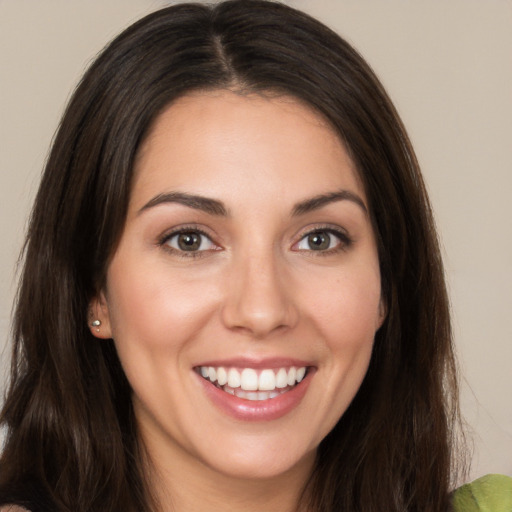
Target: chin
(264, 465)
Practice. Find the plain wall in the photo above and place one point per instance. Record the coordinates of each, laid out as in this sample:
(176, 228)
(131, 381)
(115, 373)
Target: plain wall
(447, 64)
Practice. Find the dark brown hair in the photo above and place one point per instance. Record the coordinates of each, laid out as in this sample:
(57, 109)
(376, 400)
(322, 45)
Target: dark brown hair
(71, 436)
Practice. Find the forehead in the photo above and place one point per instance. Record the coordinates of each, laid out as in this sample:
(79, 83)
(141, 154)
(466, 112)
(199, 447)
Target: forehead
(243, 146)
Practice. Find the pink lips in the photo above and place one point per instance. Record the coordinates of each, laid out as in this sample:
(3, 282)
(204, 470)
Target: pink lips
(244, 362)
(258, 410)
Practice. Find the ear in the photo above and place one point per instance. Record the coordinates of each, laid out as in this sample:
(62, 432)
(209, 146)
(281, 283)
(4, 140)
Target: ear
(99, 317)
(383, 313)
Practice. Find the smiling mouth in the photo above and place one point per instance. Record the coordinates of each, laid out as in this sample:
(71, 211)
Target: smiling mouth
(251, 384)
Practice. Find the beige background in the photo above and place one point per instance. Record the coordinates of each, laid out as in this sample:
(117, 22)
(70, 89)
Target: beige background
(447, 64)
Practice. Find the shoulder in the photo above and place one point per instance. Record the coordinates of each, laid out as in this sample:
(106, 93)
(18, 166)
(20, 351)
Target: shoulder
(491, 493)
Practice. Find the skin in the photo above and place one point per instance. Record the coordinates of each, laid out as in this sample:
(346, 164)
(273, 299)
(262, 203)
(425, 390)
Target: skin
(256, 289)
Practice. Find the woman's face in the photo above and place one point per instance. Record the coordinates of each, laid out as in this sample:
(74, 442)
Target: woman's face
(244, 295)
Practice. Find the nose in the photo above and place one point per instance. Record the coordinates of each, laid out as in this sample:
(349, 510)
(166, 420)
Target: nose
(258, 298)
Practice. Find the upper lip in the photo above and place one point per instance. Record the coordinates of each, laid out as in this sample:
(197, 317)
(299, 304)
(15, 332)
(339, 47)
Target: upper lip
(256, 363)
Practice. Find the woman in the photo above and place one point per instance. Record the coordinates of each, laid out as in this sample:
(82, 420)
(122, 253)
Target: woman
(231, 267)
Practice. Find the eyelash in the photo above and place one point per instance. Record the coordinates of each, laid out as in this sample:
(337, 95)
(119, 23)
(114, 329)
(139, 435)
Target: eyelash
(344, 241)
(164, 242)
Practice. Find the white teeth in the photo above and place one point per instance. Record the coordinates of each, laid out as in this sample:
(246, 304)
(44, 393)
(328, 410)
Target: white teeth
(292, 372)
(267, 380)
(222, 376)
(233, 378)
(240, 393)
(282, 378)
(249, 380)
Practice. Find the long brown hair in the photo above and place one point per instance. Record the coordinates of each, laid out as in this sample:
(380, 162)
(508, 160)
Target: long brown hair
(71, 435)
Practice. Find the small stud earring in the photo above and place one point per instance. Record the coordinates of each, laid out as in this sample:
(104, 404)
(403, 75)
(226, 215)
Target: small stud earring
(96, 323)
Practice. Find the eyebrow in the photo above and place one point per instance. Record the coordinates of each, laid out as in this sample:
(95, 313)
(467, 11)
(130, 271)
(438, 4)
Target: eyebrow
(217, 208)
(317, 202)
(205, 204)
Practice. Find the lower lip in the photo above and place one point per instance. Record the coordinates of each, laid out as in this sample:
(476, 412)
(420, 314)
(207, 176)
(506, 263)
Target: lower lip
(257, 410)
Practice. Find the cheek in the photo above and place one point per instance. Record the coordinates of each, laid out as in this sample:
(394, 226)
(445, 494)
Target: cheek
(343, 314)
(346, 315)
(348, 326)
(155, 309)
(347, 308)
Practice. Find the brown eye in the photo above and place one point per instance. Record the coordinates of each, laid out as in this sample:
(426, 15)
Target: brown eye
(322, 240)
(190, 241)
(319, 241)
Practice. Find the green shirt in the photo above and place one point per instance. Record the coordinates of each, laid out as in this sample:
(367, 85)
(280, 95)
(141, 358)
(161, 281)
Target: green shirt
(491, 493)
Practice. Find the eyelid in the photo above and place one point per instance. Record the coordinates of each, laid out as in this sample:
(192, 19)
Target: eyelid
(345, 239)
(163, 240)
